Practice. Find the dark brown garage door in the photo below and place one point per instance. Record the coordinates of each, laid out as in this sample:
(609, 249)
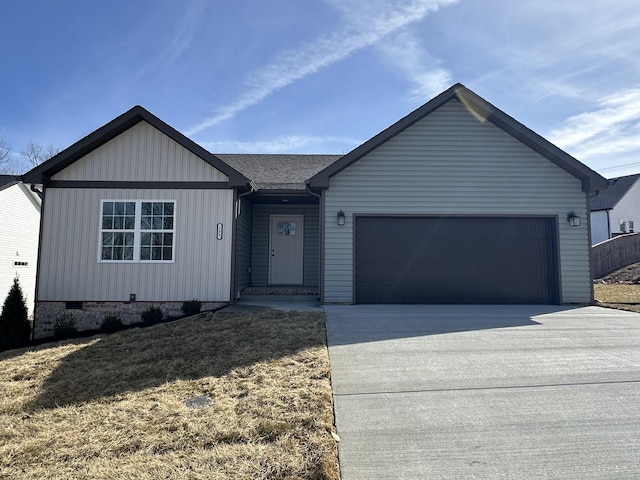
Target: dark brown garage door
(455, 260)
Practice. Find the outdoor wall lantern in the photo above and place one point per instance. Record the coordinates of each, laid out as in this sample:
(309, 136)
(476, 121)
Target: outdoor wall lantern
(573, 219)
(341, 218)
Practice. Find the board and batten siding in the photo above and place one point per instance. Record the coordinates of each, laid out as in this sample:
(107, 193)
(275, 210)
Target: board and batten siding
(69, 266)
(452, 163)
(19, 229)
(141, 153)
(260, 242)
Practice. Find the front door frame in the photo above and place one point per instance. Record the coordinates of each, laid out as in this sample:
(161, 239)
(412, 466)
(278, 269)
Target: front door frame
(297, 274)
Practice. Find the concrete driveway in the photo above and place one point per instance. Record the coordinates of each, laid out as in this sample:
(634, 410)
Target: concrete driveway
(485, 391)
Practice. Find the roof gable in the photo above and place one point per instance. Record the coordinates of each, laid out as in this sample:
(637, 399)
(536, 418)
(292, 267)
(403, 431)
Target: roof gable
(608, 198)
(483, 110)
(141, 153)
(114, 128)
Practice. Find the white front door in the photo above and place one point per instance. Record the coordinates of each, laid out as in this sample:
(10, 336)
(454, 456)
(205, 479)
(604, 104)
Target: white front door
(286, 250)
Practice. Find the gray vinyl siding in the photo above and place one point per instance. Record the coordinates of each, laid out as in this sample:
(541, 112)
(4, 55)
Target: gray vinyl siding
(452, 163)
(260, 248)
(69, 266)
(142, 153)
(244, 245)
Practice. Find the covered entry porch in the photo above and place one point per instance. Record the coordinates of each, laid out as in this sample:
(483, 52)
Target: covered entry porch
(277, 241)
(278, 245)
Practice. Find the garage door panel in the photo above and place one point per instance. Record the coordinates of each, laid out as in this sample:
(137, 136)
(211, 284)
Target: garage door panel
(448, 294)
(391, 273)
(455, 260)
(475, 227)
(398, 250)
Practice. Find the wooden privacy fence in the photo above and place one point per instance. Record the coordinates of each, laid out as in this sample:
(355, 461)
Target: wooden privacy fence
(615, 253)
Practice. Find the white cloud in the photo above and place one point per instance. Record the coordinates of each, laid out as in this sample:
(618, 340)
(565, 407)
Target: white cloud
(175, 43)
(613, 128)
(280, 145)
(366, 23)
(415, 63)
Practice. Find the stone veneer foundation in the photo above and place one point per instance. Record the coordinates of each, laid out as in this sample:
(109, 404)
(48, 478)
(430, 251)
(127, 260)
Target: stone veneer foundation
(90, 316)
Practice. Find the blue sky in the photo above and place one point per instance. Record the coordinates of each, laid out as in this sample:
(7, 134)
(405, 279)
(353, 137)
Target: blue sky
(321, 76)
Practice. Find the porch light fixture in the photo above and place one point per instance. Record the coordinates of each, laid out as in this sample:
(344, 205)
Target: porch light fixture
(341, 218)
(573, 219)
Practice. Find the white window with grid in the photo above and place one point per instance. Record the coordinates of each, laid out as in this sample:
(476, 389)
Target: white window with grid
(137, 231)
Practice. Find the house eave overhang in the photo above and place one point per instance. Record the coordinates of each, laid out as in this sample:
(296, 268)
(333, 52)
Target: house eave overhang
(483, 111)
(43, 172)
(283, 196)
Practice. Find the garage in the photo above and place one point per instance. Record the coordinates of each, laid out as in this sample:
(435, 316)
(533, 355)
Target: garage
(488, 260)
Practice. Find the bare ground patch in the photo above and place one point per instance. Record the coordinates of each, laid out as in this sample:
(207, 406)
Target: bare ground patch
(214, 396)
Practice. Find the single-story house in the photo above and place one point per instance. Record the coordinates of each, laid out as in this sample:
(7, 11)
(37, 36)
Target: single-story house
(19, 230)
(615, 210)
(455, 203)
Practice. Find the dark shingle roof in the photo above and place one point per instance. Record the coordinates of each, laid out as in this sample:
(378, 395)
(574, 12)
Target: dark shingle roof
(278, 171)
(7, 179)
(609, 197)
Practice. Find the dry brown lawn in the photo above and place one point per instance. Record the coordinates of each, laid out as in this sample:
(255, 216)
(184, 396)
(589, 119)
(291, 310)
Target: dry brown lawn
(214, 396)
(620, 296)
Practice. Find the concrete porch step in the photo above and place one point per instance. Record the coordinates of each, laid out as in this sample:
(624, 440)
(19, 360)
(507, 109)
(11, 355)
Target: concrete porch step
(256, 303)
(287, 291)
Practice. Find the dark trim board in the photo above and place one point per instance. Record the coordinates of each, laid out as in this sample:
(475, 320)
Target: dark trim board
(38, 270)
(138, 185)
(456, 259)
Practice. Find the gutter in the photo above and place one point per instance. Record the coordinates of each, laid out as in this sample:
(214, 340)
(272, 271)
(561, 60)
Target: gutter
(37, 192)
(234, 275)
(40, 193)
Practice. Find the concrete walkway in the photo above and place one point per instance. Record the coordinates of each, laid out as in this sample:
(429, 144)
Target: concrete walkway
(486, 391)
(287, 303)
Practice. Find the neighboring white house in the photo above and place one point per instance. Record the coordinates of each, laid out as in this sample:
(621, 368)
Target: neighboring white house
(616, 209)
(19, 230)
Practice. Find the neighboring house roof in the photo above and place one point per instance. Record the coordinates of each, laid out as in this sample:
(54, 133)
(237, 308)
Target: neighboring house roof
(113, 129)
(609, 197)
(278, 171)
(8, 180)
(482, 109)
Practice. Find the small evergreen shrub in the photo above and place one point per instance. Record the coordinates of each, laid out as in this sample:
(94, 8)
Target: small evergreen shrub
(152, 314)
(64, 326)
(191, 307)
(111, 323)
(15, 328)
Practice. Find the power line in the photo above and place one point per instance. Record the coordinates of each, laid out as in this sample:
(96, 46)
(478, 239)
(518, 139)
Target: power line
(620, 167)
